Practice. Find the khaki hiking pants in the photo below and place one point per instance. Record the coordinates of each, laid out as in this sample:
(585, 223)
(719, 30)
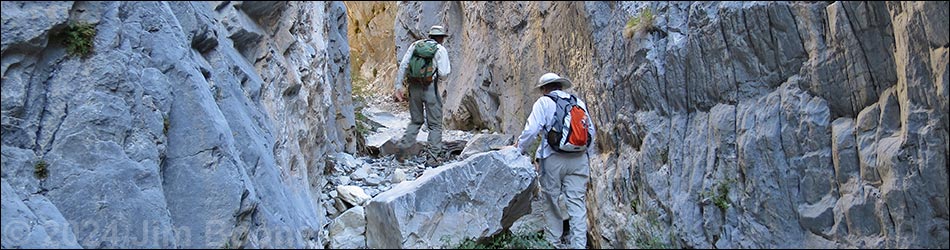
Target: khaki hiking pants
(566, 174)
(426, 95)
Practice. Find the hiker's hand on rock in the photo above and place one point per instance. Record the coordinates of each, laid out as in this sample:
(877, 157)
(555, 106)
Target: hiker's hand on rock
(400, 95)
(515, 146)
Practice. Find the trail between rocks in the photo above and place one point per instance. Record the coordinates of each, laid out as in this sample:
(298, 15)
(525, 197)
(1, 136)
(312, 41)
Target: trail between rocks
(376, 175)
(394, 116)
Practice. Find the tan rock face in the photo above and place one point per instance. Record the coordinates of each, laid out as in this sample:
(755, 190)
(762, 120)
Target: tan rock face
(498, 51)
(372, 57)
(725, 124)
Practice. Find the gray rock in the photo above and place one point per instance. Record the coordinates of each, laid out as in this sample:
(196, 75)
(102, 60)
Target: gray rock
(340, 205)
(166, 135)
(486, 142)
(261, 9)
(343, 180)
(844, 152)
(35, 223)
(360, 173)
(477, 198)
(348, 230)
(372, 191)
(373, 180)
(344, 163)
(330, 207)
(839, 109)
(28, 23)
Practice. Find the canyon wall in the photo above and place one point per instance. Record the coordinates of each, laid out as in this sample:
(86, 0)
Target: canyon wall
(187, 125)
(733, 124)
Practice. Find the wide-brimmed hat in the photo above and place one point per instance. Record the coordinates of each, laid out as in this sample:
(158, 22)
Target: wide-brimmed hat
(437, 31)
(553, 78)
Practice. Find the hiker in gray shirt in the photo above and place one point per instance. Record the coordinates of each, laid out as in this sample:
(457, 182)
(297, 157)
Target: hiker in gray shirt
(567, 133)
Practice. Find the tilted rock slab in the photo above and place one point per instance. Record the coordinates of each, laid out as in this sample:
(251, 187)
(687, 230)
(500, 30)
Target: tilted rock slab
(473, 198)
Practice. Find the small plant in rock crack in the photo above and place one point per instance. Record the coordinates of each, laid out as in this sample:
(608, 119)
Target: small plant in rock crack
(639, 23)
(79, 38)
(40, 170)
(719, 195)
(645, 231)
(165, 125)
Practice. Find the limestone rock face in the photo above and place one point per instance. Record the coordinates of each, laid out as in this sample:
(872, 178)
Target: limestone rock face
(726, 124)
(473, 198)
(189, 125)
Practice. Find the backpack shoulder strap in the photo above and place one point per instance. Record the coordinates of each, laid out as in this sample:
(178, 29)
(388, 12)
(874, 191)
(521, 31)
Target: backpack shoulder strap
(559, 104)
(573, 99)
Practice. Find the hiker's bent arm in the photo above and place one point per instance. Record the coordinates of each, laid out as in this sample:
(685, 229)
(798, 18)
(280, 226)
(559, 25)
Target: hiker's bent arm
(532, 126)
(442, 62)
(403, 64)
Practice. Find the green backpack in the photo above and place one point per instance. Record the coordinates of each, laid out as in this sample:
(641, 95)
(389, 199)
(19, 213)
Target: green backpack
(421, 68)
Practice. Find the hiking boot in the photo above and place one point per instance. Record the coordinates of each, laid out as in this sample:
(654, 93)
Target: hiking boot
(432, 159)
(432, 163)
(402, 150)
(400, 155)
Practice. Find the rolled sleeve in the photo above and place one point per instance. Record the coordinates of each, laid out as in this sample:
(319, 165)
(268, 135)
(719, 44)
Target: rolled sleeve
(442, 62)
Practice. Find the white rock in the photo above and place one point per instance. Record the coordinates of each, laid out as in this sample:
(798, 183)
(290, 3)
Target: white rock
(399, 175)
(352, 194)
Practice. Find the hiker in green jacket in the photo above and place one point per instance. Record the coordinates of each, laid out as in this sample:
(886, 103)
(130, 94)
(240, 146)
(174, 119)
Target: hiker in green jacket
(421, 67)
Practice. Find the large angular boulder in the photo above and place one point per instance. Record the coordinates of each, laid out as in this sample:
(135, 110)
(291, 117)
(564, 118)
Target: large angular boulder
(474, 198)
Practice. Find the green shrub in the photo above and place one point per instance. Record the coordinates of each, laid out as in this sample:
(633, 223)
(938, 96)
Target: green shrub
(79, 38)
(40, 170)
(646, 232)
(639, 23)
(650, 241)
(506, 240)
(362, 123)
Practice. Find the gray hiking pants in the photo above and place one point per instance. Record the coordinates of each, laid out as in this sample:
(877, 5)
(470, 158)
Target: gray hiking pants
(567, 174)
(424, 96)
